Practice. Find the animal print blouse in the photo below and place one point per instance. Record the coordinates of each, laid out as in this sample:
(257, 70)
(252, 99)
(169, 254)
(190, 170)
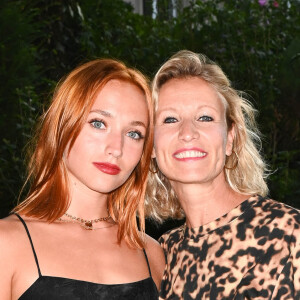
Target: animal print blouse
(252, 252)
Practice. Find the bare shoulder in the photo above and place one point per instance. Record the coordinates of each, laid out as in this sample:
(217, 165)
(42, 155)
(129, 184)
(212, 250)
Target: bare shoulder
(152, 246)
(156, 259)
(9, 229)
(10, 233)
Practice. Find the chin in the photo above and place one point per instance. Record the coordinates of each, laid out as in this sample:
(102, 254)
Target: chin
(104, 188)
(186, 179)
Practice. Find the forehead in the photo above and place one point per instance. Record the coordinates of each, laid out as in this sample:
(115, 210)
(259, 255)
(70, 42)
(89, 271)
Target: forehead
(183, 93)
(121, 87)
(119, 92)
(122, 97)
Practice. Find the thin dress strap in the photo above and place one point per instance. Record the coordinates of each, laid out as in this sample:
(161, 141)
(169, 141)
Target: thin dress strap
(147, 262)
(27, 231)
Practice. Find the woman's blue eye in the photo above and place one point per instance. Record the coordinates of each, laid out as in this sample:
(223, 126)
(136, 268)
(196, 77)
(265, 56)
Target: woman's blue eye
(205, 119)
(136, 135)
(97, 124)
(170, 120)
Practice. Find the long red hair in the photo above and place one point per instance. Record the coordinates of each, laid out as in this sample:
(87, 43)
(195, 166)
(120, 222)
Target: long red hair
(48, 197)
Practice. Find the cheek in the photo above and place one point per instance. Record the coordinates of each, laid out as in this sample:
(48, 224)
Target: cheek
(163, 150)
(81, 147)
(75, 157)
(133, 153)
(163, 138)
(219, 136)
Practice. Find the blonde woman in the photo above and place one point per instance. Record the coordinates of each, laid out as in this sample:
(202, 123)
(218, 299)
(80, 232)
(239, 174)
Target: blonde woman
(236, 242)
(76, 236)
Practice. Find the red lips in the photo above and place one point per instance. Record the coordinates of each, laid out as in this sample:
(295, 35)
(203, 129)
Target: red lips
(107, 168)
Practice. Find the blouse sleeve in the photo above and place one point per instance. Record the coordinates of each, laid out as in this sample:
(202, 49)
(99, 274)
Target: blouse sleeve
(288, 283)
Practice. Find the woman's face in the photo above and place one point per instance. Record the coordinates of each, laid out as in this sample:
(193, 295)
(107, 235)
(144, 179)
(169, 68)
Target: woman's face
(191, 139)
(110, 144)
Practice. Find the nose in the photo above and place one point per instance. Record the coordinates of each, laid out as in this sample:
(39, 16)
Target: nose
(188, 131)
(114, 145)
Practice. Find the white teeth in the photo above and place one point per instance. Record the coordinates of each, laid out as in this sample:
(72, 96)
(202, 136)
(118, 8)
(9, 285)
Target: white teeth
(187, 154)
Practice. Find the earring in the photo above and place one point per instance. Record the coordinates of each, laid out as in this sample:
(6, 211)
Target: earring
(236, 159)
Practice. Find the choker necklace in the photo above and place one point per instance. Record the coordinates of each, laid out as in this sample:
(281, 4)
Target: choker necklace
(86, 224)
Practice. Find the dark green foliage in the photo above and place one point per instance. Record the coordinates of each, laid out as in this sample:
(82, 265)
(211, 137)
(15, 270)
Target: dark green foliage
(258, 46)
(58, 36)
(17, 60)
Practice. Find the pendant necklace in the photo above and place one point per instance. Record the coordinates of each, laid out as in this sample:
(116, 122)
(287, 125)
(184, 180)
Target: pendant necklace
(86, 224)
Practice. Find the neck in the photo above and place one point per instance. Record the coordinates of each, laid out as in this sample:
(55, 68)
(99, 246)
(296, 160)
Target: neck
(205, 202)
(86, 203)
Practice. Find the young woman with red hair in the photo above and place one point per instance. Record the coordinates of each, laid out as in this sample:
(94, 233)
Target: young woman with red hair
(76, 235)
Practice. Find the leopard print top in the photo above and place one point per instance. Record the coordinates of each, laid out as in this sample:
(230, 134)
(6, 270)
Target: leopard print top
(252, 252)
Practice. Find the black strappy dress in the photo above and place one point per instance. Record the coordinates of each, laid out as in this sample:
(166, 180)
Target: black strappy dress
(50, 287)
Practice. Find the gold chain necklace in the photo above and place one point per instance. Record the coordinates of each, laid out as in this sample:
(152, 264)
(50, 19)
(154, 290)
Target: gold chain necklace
(86, 224)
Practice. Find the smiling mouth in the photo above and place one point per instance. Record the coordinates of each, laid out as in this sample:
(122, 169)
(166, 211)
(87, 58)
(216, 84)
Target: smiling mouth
(191, 154)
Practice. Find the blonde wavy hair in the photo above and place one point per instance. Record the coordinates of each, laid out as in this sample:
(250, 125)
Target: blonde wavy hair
(48, 197)
(245, 170)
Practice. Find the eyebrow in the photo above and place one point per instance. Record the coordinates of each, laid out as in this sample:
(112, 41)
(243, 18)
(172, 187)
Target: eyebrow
(102, 112)
(158, 112)
(138, 123)
(107, 114)
(175, 110)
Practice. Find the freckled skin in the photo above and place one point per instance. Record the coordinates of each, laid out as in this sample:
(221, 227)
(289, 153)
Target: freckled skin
(253, 252)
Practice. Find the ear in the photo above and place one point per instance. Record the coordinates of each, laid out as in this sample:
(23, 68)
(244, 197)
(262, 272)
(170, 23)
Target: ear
(153, 155)
(230, 139)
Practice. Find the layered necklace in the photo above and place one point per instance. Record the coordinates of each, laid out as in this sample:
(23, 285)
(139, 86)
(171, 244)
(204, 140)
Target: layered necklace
(86, 224)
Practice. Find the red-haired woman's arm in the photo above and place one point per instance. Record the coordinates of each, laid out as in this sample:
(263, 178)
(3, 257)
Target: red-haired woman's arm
(7, 261)
(156, 259)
